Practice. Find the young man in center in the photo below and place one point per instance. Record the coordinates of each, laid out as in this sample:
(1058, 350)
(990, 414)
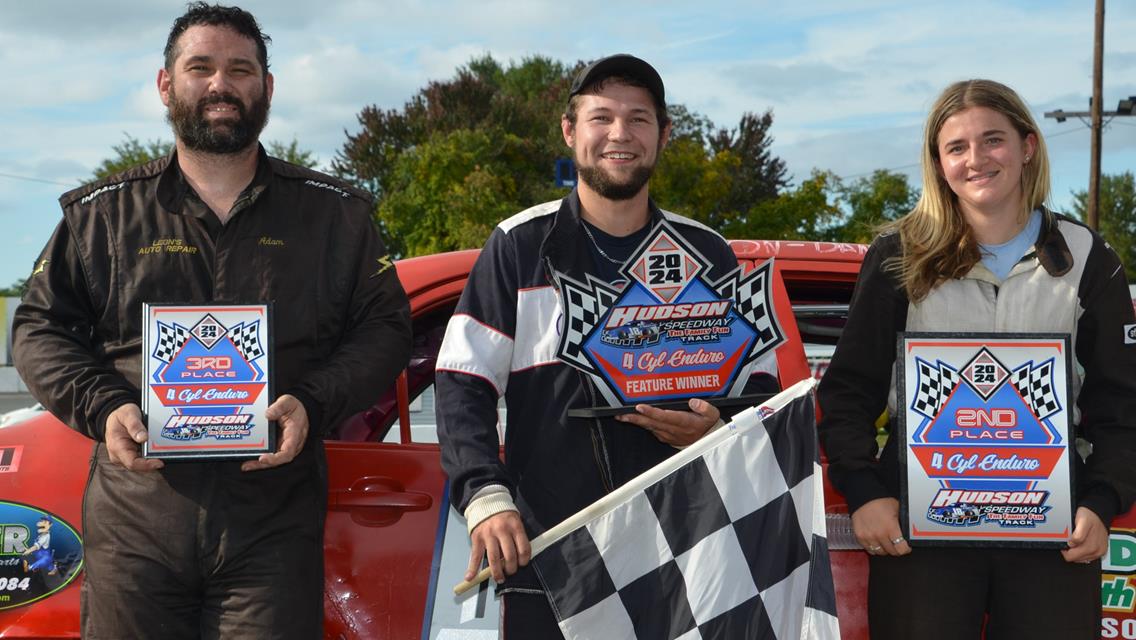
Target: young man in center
(502, 340)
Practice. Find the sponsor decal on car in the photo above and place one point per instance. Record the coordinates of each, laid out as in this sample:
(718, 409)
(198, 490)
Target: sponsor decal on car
(40, 554)
(10, 458)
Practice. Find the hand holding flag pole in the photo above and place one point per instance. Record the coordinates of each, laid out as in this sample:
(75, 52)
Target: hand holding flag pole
(743, 421)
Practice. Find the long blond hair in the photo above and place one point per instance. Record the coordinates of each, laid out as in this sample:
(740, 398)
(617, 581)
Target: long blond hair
(937, 243)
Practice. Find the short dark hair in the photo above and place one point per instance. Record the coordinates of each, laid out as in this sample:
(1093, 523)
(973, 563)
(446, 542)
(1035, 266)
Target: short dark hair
(235, 18)
(598, 86)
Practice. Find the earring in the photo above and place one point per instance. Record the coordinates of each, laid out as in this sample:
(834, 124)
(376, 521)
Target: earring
(1027, 160)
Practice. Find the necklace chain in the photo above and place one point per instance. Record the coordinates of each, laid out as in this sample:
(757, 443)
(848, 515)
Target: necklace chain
(597, 245)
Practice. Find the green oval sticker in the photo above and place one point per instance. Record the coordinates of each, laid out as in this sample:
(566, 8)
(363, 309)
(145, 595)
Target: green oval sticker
(40, 553)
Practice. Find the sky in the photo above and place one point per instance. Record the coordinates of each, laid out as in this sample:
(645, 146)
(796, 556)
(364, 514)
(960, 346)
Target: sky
(849, 81)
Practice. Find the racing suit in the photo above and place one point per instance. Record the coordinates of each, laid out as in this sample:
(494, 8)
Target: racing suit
(1071, 283)
(241, 550)
(502, 340)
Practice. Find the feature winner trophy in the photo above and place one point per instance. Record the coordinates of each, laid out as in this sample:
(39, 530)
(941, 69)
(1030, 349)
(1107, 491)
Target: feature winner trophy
(986, 424)
(668, 335)
(207, 381)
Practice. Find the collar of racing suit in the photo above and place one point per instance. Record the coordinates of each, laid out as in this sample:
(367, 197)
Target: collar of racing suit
(176, 196)
(561, 243)
(1051, 249)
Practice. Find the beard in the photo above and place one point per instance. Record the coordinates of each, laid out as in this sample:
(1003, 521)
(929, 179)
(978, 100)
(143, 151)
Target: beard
(607, 186)
(223, 136)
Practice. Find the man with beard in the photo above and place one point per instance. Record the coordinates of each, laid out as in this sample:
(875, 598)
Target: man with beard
(210, 548)
(503, 339)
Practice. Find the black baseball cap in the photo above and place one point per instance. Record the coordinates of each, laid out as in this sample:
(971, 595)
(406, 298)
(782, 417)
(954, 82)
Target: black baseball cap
(620, 64)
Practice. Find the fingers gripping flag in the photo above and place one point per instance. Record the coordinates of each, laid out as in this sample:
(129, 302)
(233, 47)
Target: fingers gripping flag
(724, 540)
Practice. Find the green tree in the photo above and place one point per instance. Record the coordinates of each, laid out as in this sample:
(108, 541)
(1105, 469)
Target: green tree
(450, 191)
(132, 152)
(509, 109)
(292, 153)
(502, 125)
(802, 213)
(717, 176)
(870, 202)
(16, 290)
(760, 175)
(1117, 202)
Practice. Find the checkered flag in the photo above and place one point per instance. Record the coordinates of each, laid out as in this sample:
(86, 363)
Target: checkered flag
(934, 384)
(170, 340)
(585, 305)
(752, 294)
(1035, 384)
(724, 540)
(246, 338)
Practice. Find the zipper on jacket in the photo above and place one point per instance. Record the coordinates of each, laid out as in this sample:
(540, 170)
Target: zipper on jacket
(599, 446)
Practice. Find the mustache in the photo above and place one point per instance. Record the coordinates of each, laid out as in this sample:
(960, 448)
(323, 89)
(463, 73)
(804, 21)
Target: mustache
(220, 98)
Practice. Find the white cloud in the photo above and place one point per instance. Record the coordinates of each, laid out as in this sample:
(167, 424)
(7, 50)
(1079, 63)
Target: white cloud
(850, 81)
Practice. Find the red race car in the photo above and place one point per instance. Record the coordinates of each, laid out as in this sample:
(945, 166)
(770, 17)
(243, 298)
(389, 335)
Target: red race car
(393, 546)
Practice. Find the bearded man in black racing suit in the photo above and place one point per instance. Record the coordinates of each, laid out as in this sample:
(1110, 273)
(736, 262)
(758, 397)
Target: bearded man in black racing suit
(209, 549)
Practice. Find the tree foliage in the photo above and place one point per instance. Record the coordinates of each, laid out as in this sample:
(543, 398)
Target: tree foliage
(16, 290)
(719, 177)
(870, 202)
(292, 153)
(802, 213)
(1117, 209)
(461, 154)
(132, 152)
(825, 207)
(464, 153)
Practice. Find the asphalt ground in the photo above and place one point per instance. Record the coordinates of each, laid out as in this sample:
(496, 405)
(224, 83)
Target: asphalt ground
(11, 401)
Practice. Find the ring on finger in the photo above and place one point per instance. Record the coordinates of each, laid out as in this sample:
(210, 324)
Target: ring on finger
(898, 540)
(875, 548)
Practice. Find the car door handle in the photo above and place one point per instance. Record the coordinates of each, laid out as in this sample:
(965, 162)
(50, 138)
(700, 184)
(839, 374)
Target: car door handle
(405, 500)
(378, 492)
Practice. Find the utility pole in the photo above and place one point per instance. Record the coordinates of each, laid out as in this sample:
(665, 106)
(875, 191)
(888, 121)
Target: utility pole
(1096, 115)
(1093, 214)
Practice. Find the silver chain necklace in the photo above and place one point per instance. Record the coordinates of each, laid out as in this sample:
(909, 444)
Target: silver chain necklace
(595, 244)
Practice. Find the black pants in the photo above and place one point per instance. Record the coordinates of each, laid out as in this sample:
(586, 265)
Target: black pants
(204, 550)
(528, 616)
(945, 593)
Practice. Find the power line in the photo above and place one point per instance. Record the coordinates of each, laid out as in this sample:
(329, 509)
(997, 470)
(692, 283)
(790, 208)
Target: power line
(29, 179)
(889, 170)
(916, 165)
(1062, 133)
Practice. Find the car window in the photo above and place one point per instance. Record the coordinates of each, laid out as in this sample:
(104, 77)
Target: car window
(424, 427)
(380, 422)
(821, 309)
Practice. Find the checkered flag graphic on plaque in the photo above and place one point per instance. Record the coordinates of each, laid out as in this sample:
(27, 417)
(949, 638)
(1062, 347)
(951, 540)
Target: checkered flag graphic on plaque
(724, 540)
(584, 307)
(170, 340)
(934, 384)
(753, 299)
(1035, 384)
(246, 338)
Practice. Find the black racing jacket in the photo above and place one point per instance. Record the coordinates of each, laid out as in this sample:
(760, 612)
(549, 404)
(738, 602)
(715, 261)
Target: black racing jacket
(1072, 282)
(297, 238)
(502, 341)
